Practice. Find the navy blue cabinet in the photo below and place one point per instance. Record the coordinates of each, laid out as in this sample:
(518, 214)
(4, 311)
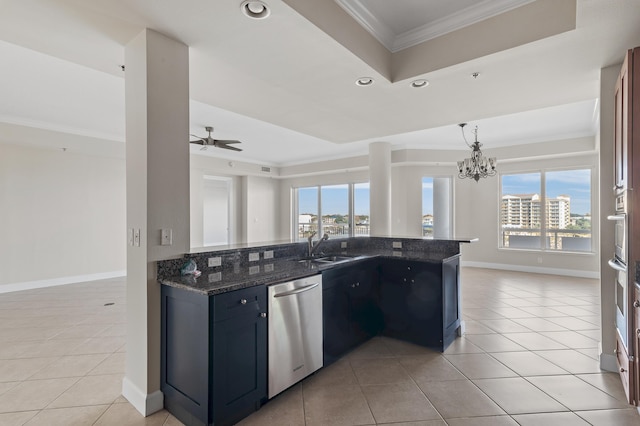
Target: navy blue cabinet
(420, 300)
(350, 308)
(214, 354)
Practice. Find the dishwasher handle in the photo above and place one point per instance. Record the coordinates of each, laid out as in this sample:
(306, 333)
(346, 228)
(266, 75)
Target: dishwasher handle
(297, 290)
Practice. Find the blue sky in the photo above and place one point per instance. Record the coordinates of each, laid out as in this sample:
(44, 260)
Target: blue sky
(574, 183)
(334, 199)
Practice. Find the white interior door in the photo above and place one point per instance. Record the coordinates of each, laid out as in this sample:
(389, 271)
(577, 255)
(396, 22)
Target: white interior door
(216, 196)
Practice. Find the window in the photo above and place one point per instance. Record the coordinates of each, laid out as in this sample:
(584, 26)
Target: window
(361, 208)
(548, 210)
(337, 206)
(427, 207)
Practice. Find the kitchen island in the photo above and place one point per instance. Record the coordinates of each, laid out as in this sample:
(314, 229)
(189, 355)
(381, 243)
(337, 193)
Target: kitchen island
(214, 327)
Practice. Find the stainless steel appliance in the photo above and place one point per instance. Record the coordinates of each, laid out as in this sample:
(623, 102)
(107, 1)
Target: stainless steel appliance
(295, 331)
(619, 264)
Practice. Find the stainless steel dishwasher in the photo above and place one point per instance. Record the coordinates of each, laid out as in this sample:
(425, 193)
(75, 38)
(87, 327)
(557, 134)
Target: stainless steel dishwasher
(295, 331)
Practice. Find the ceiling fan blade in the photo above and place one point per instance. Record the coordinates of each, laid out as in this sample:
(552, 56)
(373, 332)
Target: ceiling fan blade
(199, 141)
(227, 141)
(225, 146)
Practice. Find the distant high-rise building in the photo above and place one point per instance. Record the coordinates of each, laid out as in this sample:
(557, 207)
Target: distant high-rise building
(523, 211)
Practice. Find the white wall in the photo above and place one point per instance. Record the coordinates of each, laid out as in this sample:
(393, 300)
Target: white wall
(62, 213)
(477, 214)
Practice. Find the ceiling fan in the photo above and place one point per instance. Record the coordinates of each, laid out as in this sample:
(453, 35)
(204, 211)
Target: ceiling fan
(218, 143)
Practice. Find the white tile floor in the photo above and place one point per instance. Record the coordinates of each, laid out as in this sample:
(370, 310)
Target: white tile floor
(529, 358)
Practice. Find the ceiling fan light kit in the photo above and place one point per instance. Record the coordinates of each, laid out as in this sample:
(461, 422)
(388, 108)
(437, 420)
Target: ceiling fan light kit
(217, 143)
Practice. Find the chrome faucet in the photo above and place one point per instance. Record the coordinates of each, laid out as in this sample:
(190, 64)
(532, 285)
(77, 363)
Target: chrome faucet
(313, 248)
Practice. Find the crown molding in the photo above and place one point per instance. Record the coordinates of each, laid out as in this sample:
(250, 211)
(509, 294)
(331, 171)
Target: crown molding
(395, 42)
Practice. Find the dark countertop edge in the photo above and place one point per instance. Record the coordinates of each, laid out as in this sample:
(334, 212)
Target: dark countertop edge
(265, 244)
(293, 274)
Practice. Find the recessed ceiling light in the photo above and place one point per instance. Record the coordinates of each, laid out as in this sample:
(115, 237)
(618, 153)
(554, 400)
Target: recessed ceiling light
(364, 81)
(419, 83)
(255, 9)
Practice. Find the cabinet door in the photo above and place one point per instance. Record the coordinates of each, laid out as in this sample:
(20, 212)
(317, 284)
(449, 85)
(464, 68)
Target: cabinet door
(621, 128)
(366, 317)
(636, 338)
(239, 367)
(395, 281)
(335, 317)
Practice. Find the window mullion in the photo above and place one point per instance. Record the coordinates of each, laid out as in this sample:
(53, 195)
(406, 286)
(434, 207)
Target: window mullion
(351, 210)
(543, 211)
(320, 224)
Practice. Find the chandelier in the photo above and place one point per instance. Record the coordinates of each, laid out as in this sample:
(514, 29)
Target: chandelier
(476, 166)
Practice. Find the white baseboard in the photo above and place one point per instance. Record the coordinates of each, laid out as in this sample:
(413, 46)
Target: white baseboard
(145, 404)
(29, 285)
(532, 269)
(608, 362)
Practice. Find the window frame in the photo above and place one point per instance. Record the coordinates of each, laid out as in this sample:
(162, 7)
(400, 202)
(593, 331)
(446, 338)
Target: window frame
(542, 247)
(351, 206)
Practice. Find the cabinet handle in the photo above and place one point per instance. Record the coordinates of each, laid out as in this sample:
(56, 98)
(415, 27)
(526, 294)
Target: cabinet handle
(408, 268)
(263, 314)
(353, 286)
(638, 332)
(622, 370)
(357, 284)
(615, 351)
(243, 301)
(636, 304)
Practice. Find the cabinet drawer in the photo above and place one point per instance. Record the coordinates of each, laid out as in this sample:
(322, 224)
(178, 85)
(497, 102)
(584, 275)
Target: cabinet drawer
(624, 368)
(239, 302)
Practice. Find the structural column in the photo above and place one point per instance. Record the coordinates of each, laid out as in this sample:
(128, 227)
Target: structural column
(442, 208)
(380, 189)
(157, 165)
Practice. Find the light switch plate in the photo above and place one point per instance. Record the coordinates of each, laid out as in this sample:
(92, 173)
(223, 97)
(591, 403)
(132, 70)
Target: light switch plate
(136, 237)
(254, 270)
(343, 244)
(214, 261)
(268, 254)
(254, 256)
(397, 244)
(130, 236)
(166, 236)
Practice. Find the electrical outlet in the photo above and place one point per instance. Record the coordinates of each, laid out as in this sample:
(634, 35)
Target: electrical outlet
(397, 244)
(214, 261)
(268, 254)
(254, 256)
(343, 244)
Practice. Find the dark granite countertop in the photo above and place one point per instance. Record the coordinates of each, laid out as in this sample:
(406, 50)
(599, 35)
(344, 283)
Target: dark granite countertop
(272, 271)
